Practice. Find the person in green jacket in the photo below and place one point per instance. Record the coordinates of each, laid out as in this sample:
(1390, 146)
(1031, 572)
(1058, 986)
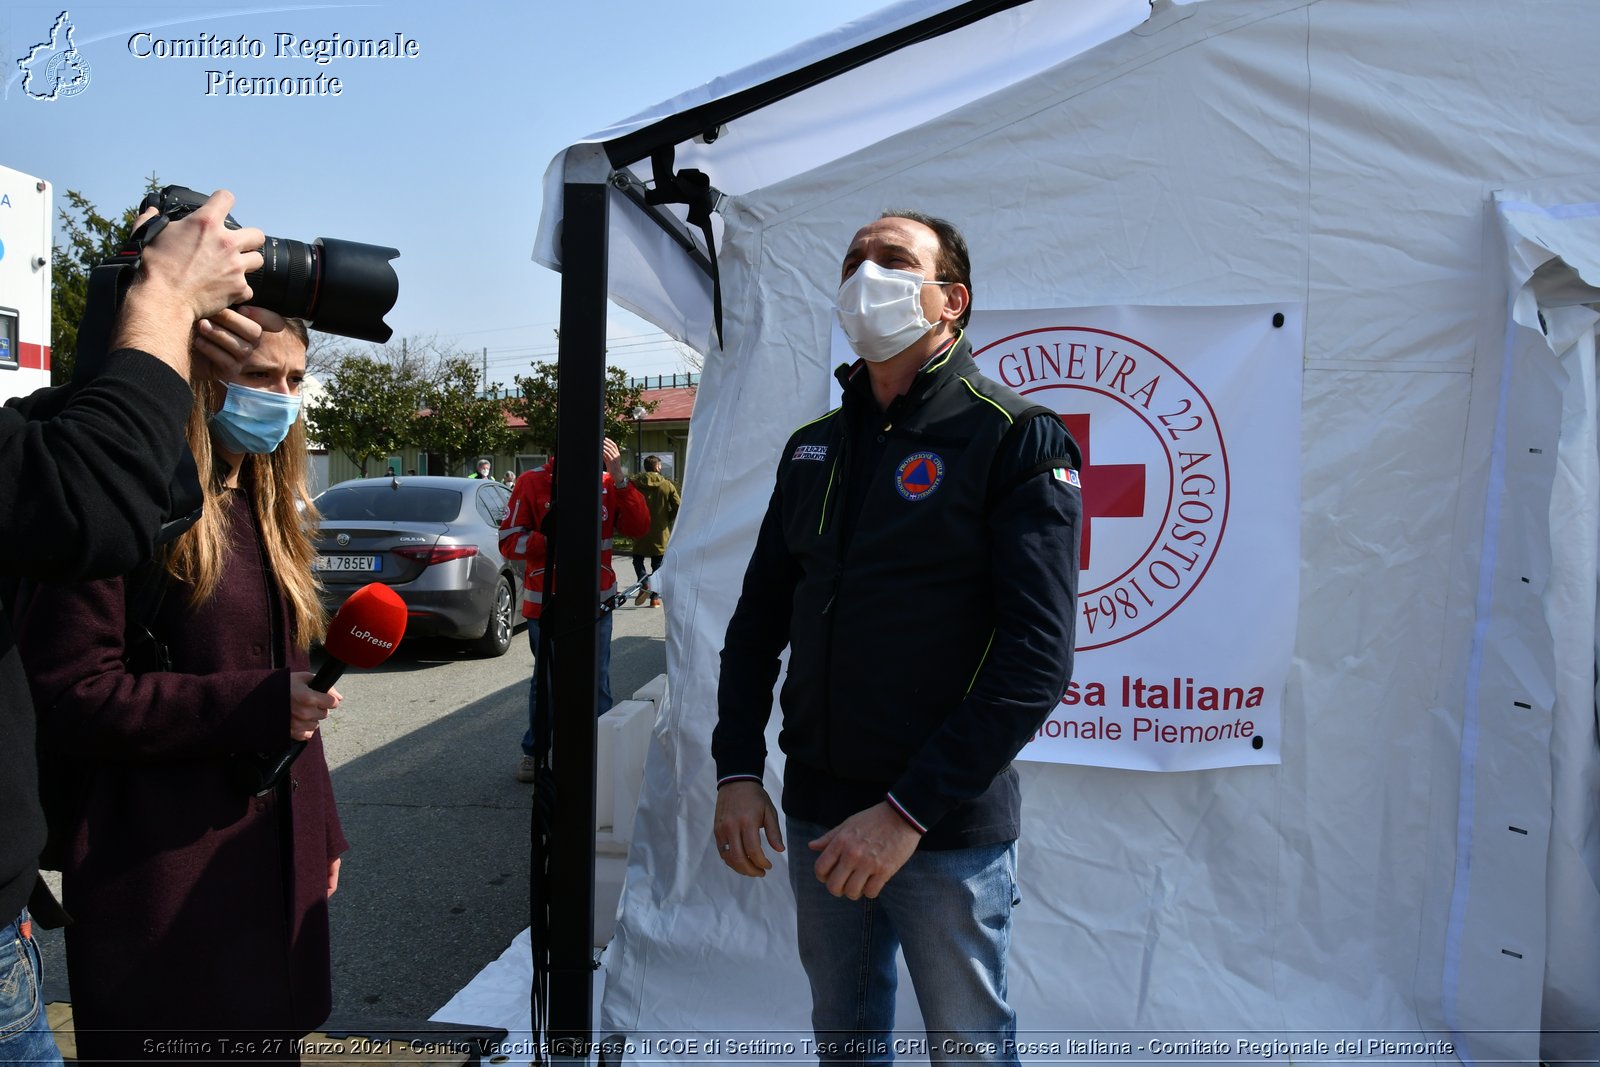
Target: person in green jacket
(662, 496)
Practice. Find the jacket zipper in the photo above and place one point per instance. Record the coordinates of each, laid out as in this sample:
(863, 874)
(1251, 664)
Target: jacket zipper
(835, 476)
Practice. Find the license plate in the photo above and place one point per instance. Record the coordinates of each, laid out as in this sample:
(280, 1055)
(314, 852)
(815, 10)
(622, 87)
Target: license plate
(363, 564)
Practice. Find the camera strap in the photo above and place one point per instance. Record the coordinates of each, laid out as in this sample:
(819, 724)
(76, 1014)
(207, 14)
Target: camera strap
(108, 284)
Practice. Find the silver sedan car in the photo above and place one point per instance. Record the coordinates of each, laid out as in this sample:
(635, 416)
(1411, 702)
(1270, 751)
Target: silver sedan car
(435, 540)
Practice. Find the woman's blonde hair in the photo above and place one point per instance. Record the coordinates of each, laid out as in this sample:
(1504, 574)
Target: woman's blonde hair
(276, 483)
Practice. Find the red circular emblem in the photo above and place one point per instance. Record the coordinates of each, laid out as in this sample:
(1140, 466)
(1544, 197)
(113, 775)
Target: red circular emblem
(919, 475)
(1154, 475)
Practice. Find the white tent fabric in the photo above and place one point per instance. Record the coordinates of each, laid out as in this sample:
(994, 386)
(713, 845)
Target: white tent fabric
(833, 119)
(1543, 478)
(1424, 865)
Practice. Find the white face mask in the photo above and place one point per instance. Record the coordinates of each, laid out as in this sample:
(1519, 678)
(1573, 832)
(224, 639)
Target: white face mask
(880, 311)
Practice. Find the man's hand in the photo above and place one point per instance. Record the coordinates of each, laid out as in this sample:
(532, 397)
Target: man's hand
(307, 706)
(333, 876)
(611, 454)
(861, 854)
(194, 268)
(744, 811)
(227, 338)
(200, 261)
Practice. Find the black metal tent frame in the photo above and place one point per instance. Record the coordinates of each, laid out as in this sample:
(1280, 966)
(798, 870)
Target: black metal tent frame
(592, 171)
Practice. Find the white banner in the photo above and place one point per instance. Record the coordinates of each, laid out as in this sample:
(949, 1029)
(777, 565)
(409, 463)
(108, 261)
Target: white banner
(1189, 423)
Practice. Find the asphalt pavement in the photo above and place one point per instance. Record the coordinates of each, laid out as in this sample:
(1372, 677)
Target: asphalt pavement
(435, 884)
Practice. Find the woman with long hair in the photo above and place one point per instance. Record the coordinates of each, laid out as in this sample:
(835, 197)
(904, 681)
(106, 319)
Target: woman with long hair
(199, 899)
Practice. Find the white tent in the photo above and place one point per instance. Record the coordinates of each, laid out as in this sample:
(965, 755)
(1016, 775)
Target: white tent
(1423, 178)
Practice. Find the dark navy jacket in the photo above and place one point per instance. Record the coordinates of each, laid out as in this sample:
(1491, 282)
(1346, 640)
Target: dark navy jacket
(921, 565)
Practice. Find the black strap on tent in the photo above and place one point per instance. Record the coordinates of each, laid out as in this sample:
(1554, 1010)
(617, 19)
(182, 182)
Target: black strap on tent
(691, 187)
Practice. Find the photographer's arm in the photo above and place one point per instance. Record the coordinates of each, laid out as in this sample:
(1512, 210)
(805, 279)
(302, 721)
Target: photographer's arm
(194, 268)
(90, 484)
(93, 466)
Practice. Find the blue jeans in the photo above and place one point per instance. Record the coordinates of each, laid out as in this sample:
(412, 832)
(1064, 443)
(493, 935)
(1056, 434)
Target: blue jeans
(950, 913)
(24, 1031)
(603, 704)
(638, 568)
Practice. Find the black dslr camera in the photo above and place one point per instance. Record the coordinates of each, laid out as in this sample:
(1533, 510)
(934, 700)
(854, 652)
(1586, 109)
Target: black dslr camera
(341, 287)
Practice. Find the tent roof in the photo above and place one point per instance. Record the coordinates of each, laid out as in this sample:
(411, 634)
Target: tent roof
(805, 108)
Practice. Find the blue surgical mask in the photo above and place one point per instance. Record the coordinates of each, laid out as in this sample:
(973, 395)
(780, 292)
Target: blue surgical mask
(254, 420)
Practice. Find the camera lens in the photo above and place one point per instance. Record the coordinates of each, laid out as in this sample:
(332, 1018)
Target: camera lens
(356, 287)
(285, 283)
(341, 287)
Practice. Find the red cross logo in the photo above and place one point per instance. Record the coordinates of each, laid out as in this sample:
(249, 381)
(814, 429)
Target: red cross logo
(1176, 492)
(1113, 491)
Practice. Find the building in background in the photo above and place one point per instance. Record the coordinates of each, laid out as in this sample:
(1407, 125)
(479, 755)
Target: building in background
(663, 431)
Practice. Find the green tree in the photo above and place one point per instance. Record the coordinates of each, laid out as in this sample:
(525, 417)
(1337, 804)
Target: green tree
(457, 422)
(326, 351)
(368, 409)
(90, 237)
(535, 401)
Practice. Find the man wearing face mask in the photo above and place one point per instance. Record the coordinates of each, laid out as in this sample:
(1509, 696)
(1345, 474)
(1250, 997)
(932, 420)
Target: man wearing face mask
(919, 558)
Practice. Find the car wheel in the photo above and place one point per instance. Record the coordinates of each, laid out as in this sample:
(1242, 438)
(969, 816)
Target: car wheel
(496, 639)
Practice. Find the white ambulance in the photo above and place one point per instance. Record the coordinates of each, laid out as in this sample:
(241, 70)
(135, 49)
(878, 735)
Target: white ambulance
(24, 283)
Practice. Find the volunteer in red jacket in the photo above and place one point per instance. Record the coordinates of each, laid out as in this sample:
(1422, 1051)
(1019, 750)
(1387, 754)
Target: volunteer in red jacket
(522, 536)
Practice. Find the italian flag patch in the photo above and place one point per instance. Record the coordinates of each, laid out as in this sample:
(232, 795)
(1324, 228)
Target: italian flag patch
(1068, 475)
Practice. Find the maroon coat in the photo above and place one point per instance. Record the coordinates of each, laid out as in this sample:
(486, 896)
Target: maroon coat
(195, 906)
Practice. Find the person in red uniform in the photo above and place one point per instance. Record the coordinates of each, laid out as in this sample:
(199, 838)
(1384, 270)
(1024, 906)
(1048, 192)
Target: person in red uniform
(522, 536)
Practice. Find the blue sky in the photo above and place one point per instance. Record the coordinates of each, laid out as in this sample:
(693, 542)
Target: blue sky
(441, 154)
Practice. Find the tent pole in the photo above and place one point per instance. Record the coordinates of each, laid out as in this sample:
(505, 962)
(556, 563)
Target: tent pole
(579, 430)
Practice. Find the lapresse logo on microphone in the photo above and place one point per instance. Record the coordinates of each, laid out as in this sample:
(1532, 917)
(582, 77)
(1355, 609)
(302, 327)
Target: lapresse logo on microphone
(371, 638)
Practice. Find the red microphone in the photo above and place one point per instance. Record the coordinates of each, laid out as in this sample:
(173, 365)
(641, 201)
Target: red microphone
(362, 633)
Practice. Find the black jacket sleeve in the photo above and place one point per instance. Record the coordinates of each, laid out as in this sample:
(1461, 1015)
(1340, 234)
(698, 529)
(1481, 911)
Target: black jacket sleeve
(84, 473)
(84, 491)
(757, 636)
